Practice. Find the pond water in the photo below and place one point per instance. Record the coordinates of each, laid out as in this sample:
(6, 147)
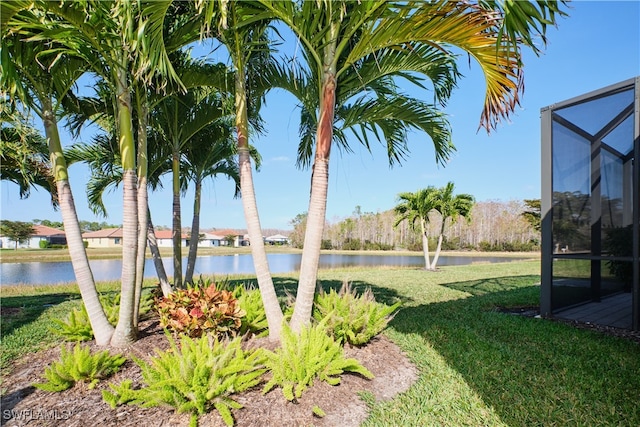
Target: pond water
(58, 272)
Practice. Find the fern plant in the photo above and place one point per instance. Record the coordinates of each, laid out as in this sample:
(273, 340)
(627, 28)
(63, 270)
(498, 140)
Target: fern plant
(111, 306)
(302, 358)
(352, 318)
(76, 327)
(255, 319)
(79, 365)
(198, 375)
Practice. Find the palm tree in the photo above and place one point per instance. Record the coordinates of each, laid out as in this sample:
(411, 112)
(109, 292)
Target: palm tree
(102, 157)
(379, 112)
(122, 42)
(41, 85)
(415, 207)
(381, 38)
(244, 36)
(450, 206)
(178, 118)
(209, 155)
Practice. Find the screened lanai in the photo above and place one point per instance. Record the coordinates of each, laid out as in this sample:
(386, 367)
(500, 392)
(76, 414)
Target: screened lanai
(591, 206)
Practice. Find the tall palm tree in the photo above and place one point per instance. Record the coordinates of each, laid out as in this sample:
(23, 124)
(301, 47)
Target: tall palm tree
(450, 207)
(415, 207)
(102, 157)
(41, 83)
(235, 25)
(179, 118)
(113, 39)
(210, 154)
(340, 36)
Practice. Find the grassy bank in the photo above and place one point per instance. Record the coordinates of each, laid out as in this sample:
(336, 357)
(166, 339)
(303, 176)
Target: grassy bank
(477, 367)
(55, 255)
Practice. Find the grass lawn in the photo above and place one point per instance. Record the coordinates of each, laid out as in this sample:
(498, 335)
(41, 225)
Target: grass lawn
(477, 367)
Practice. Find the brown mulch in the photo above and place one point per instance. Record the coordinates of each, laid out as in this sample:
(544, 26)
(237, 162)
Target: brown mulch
(22, 404)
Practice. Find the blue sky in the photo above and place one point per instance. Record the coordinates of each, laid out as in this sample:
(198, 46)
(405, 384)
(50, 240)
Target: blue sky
(596, 46)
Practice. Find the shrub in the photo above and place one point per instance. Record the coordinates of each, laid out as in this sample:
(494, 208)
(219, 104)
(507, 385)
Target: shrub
(326, 244)
(350, 244)
(197, 310)
(194, 378)
(79, 365)
(111, 306)
(532, 245)
(43, 244)
(255, 319)
(306, 356)
(76, 327)
(376, 246)
(352, 318)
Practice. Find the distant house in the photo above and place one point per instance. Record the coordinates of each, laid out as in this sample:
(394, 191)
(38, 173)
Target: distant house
(277, 239)
(51, 235)
(165, 239)
(106, 238)
(212, 240)
(237, 237)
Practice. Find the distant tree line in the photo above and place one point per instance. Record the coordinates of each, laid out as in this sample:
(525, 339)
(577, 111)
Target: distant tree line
(493, 226)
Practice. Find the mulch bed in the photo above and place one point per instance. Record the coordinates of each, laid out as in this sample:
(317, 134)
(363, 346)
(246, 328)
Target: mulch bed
(23, 404)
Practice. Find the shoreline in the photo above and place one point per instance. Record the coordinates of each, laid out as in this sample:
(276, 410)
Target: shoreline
(62, 255)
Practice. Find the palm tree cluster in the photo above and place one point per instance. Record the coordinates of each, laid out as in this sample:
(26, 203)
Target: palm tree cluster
(163, 112)
(416, 207)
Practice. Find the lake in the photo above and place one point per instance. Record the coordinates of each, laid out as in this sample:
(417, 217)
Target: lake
(34, 273)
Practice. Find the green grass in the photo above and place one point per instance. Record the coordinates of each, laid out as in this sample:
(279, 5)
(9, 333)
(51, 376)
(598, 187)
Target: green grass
(477, 367)
(25, 328)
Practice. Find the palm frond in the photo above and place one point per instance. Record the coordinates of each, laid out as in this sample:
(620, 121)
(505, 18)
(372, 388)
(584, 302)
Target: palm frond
(394, 116)
(523, 22)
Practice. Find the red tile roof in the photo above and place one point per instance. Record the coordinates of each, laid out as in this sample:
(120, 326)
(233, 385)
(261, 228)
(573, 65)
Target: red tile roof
(44, 231)
(107, 232)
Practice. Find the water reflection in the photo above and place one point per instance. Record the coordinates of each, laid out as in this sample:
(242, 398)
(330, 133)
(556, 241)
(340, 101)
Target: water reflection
(59, 272)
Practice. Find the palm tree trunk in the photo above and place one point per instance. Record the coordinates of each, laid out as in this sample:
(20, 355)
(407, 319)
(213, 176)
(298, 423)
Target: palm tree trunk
(177, 225)
(250, 206)
(125, 331)
(143, 200)
(258, 253)
(318, 198)
(102, 329)
(312, 244)
(425, 245)
(440, 238)
(195, 232)
(165, 286)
